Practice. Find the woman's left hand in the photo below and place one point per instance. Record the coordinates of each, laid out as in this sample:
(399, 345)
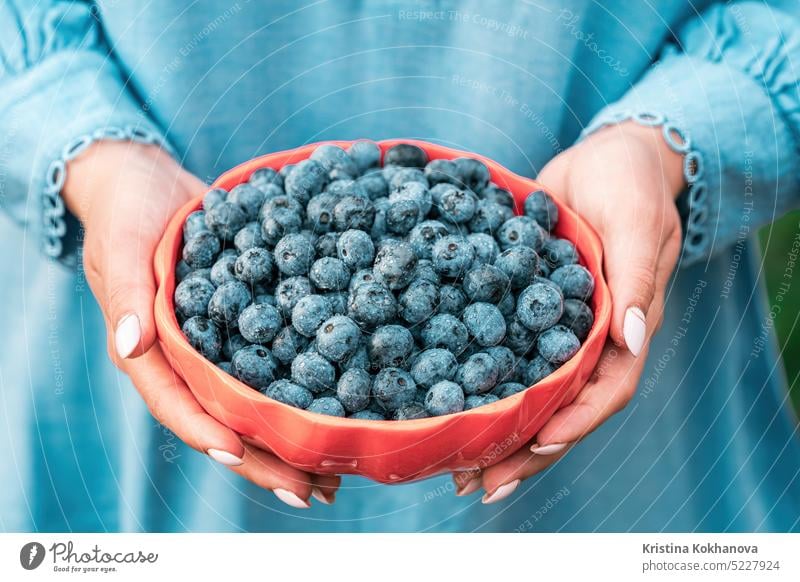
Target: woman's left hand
(623, 180)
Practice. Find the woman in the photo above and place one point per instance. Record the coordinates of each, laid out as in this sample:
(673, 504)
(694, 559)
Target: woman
(114, 114)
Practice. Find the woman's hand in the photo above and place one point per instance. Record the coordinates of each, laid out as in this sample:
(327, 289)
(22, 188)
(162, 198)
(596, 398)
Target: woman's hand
(125, 194)
(623, 180)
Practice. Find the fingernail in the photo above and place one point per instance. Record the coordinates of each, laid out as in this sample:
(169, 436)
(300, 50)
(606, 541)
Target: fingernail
(471, 487)
(550, 449)
(290, 498)
(317, 494)
(128, 335)
(634, 330)
(225, 457)
(501, 492)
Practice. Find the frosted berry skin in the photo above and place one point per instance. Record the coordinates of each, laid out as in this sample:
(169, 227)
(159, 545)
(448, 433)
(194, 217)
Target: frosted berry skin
(509, 389)
(444, 398)
(575, 281)
(558, 252)
(486, 248)
(372, 304)
(249, 198)
(488, 217)
(486, 283)
(365, 155)
(477, 400)
(418, 301)
(195, 223)
(214, 197)
(557, 344)
(578, 317)
(457, 206)
(451, 300)
(263, 178)
(335, 162)
(452, 256)
(393, 388)
(289, 393)
(248, 237)
(394, 264)
(327, 405)
(355, 249)
(227, 302)
(441, 171)
(367, 415)
(505, 360)
(390, 346)
(520, 231)
(433, 366)
(201, 250)
(539, 206)
(255, 366)
(288, 343)
(259, 324)
(425, 235)
(472, 173)
(520, 264)
(254, 266)
(353, 212)
(540, 306)
(306, 179)
(203, 336)
(478, 374)
(294, 254)
(329, 274)
(485, 324)
(445, 331)
(406, 155)
(537, 369)
(232, 344)
(313, 372)
(319, 212)
(291, 290)
(338, 338)
(309, 313)
(353, 389)
(192, 296)
(225, 219)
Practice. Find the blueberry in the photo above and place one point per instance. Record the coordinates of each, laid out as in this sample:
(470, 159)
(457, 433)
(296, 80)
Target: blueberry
(309, 313)
(264, 177)
(472, 173)
(451, 300)
(355, 249)
(255, 366)
(485, 323)
(371, 304)
(254, 265)
(329, 274)
(327, 405)
(285, 171)
(227, 302)
(416, 192)
(424, 271)
(476, 400)
(559, 252)
(359, 277)
(520, 231)
(379, 230)
(402, 216)
(182, 270)
(486, 249)
(314, 372)
(557, 344)
(259, 324)
(486, 283)
(214, 197)
(306, 179)
(224, 269)
(279, 204)
(507, 304)
(404, 176)
(203, 336)
(375, 185)
(520, 264)
(445, 331)
(425, 235)
(192, 296)
(478, 374)
(393, 388)
(519, 338)
(294, 254)
(418, 301)
(457, 206)
(225, 219)
(353, 212)
(505, 361)
(248, 237)
(406, 155)
(325, 245)
(444, 398)
(201, 250)
(540, 207)
(232, 344)
(496, 194)
(353, 389)
(289, 393)
(288, 344)
(575, 281)
(365, 155)
(539, 306)
(452, 256)
(578, 317)
(342, 188)
(411, 411)
(338, 301)
(394, 264)
(226, 367)
(195, 224)
(358, 361)
(390, 346)
(338, 338)
(488, 217)
(265, 299)
(200, 274)
(433, 366)
(441, 171)
(249, 198)
(290, 291)
(336, 162)
(537, 369)
(277, 224)
(509, 389)
(319, 212)
(367, 415)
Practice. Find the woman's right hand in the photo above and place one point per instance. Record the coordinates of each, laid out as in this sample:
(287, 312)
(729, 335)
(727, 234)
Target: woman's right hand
(124, 195)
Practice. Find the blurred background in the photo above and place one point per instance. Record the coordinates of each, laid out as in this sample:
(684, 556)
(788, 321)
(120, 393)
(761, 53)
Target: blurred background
(776, 244)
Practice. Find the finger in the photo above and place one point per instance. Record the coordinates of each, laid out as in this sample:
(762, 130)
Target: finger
(501, 480)
(290, 485)
(173, 405)
(324, 488)
(467, 482)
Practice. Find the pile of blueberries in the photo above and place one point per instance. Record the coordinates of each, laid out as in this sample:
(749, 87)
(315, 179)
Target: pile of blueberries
(394, 292)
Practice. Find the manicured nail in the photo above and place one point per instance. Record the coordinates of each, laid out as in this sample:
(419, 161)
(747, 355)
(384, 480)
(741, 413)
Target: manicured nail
(501, 492)
(128, 335)
(634, 330)
(550, 449)
(225, 457)
(471, 487)
(290, 498)
(317, 494)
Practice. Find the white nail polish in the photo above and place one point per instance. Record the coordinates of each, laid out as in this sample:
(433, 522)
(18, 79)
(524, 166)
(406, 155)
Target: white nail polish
(291, 499)
(634, 329)
(471, 487)
(501, 493)
(128, 335)
(225, 457)
(550, 449)
(317, 494)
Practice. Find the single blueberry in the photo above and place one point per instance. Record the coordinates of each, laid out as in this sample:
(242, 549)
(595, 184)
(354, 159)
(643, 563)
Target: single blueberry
(319, 212)
(485, 323)
(259, 324)
(472, 173)
(203, 336)
(478, 374)
(313, 372)
(405, 176)
(520, 231)
(424, 271)
(476, 400)
(325, 246)
(509, 389)
(520, 264)
(558, 252)
(416, 192)
(575, 281)
(537, 369)
(452, 256)
(496, 194)
(338, 301)
(539, 206)
(578, 317)
(309, 312)
(375, 185)
(306, 179)
(390, 346)
(327, 405)
(433, 366)
(486, 248)
(393, 388)
(371, 304)
(488, 217)
(365, 155)
(394, 264)
(359, 277)
(225, 219)
(557, 344)
(445, 331)
(342, 188)
(214, 197)
(367, 415)
(288, 344)
(227, 302)
(294, 254)
(519, 338)
(329, 274)
(444, 398)
(418, 301)
(279, 204)
(353, 389)
(441, 171)
(290, 291)
(192, 296)
(248, 237)
(402, 216)
(254, 265)
(355, 249)
(451, 300)
(201, 250)
(336, 162)
(338, 338)
(224, 269)
(277, 224)
(354, 212)
(255, 366)
(486, 283)
(457, 206)
(424, 236)
(539, 306)
(264, 177)
(249, 198)
(406, 155)
(289, 393)
(505, 361)
(195, 223)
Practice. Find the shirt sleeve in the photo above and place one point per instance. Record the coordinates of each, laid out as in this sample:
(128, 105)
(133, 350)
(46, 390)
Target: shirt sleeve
(60, 90)
(728, 83)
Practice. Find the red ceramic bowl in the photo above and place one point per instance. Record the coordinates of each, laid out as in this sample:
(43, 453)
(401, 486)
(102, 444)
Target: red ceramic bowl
(386, 451)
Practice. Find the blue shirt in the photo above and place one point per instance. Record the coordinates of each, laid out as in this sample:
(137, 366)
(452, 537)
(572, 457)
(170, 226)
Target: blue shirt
(709, 443)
